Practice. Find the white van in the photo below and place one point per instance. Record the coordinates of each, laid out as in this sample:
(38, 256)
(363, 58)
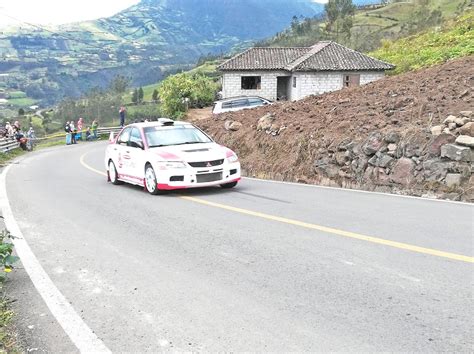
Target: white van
(238, 103)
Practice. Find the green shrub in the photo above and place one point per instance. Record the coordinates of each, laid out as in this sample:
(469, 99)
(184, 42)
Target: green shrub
(6, 258)
(182, 91)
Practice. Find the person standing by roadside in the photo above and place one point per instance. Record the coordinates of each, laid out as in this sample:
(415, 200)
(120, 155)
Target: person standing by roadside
(80, 126)
(122, 112)
(95, 125)
(73, 132)
(67, 129)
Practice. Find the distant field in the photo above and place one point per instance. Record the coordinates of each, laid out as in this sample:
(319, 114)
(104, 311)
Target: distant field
(22, 102)
(17, 94)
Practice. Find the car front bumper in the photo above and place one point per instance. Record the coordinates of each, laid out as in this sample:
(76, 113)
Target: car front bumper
(190, 177)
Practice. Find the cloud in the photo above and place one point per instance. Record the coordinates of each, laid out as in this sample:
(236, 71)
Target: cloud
(58, 11)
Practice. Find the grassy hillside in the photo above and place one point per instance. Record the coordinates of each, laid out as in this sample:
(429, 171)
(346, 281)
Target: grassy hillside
(455, 39)
(371, 25)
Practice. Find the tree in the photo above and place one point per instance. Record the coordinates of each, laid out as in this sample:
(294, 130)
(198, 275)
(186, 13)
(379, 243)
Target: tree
(119, 84)
(135, 96)
(339, 14)
(140, 94)
(154, 95)
(21, 112)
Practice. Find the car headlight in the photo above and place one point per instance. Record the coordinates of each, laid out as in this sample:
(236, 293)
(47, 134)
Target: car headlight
(168, 165)
(232, 159)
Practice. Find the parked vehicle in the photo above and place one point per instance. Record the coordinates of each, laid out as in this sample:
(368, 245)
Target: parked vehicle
(167, 155)
(238, 103)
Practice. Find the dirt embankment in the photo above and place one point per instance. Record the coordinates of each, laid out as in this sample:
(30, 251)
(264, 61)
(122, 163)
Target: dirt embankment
(376, 137)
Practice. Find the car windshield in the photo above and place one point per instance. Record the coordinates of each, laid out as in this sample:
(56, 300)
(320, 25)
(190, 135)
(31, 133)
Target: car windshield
(166, 136)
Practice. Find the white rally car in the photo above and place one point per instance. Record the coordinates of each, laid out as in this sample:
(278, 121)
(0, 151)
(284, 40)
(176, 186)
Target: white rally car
(167, 155)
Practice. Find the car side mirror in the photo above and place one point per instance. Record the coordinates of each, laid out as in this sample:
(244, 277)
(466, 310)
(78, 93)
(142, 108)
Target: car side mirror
(137, 144)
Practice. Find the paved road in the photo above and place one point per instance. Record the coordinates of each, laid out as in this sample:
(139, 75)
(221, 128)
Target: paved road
(250, 269)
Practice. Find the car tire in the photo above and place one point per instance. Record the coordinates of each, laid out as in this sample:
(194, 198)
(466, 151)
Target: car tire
(112, 174)
(229, 185)
(151, 184)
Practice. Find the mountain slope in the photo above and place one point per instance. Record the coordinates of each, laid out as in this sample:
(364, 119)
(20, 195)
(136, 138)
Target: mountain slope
(372, 24)
(144, 42)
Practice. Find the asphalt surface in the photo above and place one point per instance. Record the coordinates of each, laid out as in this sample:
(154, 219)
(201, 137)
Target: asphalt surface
(152, 273)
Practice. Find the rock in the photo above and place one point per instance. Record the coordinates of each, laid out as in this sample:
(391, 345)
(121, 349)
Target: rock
(235, 126)
(392, 137)
(467, 129)
(373, 160)
(340, 158)
(446, 131)
(437, 129)
(359, 165)
(373, 144)
(467, 114)
(452, 126)
(456, 153)
(434, 147)
(465, 120)
(392, 147)
(325, 168)
(449, 119)
(416, 144)
(453, 180)
(346, 144)
(403, 171)
(227, 124)
(459, 122)
(465, 140)
(435, 169)
(266, 121)
(384, 161)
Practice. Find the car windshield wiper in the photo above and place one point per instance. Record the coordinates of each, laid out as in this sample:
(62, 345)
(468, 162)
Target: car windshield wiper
(157, 146)
(190, 142)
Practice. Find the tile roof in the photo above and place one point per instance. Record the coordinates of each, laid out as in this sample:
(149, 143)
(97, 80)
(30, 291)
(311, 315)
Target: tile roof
(264, 59)
(323, 56)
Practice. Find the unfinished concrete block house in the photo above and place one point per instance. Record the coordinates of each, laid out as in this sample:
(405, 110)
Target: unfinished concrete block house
(294, 73)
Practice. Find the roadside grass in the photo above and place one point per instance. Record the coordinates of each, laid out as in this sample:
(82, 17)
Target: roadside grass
(8, 342)
(5, 157)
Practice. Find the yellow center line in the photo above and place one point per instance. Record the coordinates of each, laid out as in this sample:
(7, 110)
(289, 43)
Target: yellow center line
(328, 230)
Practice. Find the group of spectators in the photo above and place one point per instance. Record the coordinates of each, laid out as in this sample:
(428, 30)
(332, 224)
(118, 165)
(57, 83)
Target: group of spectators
(14, 132)
(76, 131)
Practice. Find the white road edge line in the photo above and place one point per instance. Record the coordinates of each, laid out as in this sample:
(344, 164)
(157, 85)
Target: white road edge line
(80, 334)
(341, 189)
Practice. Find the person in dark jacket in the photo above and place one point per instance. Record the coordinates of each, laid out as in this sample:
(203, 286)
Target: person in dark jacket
(122, 112)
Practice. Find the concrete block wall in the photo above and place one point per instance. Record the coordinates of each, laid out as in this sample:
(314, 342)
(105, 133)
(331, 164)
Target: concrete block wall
(232, 84)
(369, 76)
(321, 82)
(307, 83)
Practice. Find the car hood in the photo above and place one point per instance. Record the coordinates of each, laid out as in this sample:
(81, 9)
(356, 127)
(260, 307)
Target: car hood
(192, 152)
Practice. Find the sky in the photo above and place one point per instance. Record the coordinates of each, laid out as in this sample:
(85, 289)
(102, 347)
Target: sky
(44, 12)
(58, 11)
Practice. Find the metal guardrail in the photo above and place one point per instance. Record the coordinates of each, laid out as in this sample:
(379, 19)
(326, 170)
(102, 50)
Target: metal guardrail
(8, 144)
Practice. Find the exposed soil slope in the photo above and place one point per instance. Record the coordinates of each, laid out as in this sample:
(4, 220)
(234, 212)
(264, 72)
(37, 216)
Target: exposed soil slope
(311, 130)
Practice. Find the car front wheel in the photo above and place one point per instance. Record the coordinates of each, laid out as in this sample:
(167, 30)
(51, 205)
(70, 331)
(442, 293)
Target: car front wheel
(151, 183)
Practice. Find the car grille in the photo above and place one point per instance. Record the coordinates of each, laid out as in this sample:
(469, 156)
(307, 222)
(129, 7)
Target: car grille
(207, 163)
(209, 177)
